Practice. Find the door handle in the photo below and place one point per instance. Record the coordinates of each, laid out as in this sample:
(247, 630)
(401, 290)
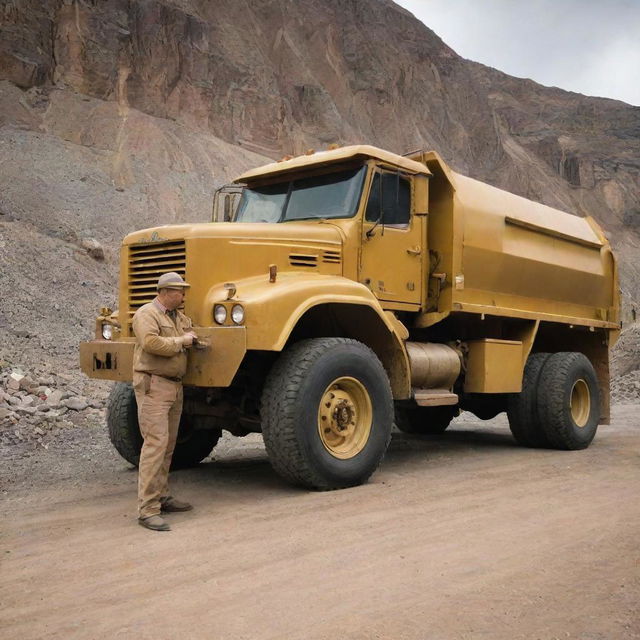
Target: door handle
(415, 251)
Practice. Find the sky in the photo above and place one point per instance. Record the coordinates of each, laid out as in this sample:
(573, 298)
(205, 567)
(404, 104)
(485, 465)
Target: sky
(588, 46)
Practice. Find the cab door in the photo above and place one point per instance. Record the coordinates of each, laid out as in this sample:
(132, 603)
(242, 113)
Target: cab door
(391, 255)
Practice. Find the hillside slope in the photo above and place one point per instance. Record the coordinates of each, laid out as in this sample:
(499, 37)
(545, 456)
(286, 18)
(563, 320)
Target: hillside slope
(124, 114)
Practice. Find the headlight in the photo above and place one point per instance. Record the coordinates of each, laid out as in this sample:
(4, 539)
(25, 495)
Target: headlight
(237, 313)
(107, 331)
(220, 313)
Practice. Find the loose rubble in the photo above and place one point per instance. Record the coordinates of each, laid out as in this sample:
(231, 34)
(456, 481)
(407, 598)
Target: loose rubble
(38, 407)
(626, 389)
(625, 366)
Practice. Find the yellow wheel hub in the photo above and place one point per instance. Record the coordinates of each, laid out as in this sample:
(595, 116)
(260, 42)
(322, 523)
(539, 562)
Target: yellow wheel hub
(580, 403)
(345, 416)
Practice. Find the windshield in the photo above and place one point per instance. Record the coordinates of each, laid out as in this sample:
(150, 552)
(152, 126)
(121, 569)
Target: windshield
(333, 195)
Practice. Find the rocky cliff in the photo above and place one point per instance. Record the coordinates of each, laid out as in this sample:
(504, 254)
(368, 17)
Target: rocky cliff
(120, 114)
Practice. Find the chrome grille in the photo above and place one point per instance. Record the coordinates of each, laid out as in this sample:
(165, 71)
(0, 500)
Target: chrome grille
(147, 262)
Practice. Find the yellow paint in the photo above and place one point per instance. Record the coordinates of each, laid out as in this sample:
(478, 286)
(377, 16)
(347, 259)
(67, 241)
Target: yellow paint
(469, 251)
(345, 417)
(494, 366)
(212, 366)
(506, 255)
(107, 359)
(334, 156)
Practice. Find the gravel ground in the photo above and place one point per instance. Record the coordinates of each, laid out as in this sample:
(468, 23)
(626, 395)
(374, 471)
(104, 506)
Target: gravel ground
(458, 536)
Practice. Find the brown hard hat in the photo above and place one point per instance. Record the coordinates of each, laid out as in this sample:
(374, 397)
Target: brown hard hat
(172, 280)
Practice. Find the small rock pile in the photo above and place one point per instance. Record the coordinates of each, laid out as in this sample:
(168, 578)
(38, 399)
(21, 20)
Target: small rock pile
(625, 366)
(35, 410)
(626, 389)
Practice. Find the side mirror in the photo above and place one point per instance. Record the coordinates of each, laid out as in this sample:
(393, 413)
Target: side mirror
(225, 202)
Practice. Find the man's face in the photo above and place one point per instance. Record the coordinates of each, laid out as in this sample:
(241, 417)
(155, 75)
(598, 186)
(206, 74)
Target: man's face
(171, 298)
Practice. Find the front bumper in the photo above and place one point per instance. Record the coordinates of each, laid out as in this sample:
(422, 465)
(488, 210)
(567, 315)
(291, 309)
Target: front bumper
(215, 365)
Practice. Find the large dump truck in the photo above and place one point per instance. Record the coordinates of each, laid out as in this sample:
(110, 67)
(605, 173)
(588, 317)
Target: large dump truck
(354, 288)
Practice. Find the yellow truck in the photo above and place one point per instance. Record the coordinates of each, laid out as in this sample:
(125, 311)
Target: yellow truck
(353, 288)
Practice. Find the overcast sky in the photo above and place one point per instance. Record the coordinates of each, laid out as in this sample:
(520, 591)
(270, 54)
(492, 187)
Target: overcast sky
(588, 46)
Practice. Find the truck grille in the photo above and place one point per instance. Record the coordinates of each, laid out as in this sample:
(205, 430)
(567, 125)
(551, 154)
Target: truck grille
(147, 262)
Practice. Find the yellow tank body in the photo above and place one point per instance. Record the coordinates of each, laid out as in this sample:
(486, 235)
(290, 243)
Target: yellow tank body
(501, 254)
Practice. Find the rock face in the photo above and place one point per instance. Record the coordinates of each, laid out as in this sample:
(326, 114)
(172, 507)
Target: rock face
(124, 114)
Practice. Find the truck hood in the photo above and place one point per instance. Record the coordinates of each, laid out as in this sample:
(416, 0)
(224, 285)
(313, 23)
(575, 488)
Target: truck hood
(209, 255)
(302, 232)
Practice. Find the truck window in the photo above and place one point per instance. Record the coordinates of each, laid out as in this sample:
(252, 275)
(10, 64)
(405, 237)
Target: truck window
(262, 204)
(396, 199)
(333, 195)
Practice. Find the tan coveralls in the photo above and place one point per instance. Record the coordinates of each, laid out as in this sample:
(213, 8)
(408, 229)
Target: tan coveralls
(159, 363)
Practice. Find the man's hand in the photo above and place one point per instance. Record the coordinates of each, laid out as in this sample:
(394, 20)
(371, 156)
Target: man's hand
(188, 338)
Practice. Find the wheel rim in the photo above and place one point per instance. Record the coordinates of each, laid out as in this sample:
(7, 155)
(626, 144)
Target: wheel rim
(580, 403)
(345, 416)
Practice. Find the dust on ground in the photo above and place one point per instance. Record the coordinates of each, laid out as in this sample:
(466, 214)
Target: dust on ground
(463, 535)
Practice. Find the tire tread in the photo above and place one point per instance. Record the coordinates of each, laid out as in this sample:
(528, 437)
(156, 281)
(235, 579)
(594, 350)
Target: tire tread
(124, 432)
(522, 408)
(552, 401)
(278, 409)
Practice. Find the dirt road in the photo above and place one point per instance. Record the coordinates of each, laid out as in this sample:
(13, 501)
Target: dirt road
(458, 536)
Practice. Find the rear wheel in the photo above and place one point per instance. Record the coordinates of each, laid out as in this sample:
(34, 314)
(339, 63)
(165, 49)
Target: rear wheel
(569, 401)
(192, 446)
(424, 420)
(327, 412)
(522, 408)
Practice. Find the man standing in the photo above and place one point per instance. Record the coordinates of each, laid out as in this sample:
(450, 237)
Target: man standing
(159, 362)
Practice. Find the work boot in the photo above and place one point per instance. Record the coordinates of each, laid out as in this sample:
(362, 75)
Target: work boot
(156, 523)
(170, 504)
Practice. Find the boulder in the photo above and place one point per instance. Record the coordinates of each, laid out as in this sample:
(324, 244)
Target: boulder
(76, 403)
(55, 398)
(27, 401)
(93, 248)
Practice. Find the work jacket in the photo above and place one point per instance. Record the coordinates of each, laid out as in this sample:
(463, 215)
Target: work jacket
(159, 350)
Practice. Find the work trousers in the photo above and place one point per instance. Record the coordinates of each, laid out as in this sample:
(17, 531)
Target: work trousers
(159, 409)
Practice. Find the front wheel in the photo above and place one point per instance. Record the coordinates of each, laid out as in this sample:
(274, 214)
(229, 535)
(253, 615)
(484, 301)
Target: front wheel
(327, 413)
(192, 445)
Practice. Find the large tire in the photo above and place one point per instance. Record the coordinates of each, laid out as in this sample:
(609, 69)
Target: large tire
(327, 413)
(569, 401)
(424, 420)
(192, 446)
(522, 408)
